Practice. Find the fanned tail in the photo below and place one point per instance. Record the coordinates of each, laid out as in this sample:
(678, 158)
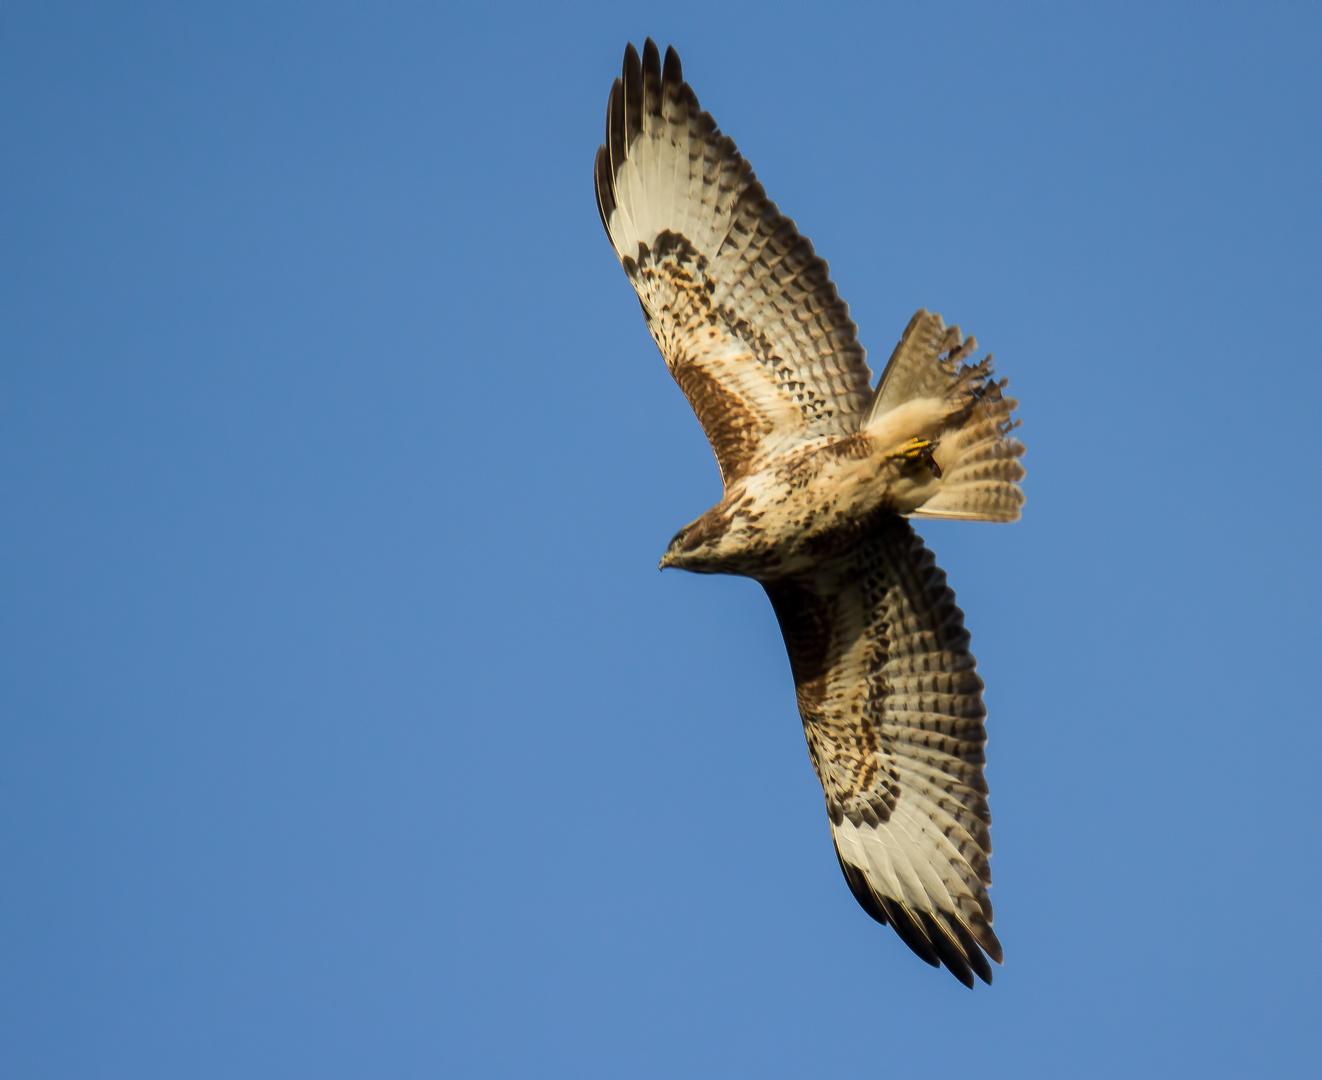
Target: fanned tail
(979, 460)
(928, 390)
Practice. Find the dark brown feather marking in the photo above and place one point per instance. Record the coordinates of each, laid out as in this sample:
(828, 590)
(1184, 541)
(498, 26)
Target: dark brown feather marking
(733, 429)
(805, 622)
(675, 292)
(632, 77)
(605, 193)
(858, 885)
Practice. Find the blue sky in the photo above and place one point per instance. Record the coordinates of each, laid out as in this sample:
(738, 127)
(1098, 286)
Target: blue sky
(349, 727)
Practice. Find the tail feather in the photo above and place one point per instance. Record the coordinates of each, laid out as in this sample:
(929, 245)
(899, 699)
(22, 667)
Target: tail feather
(980, 466)
(924, 363)
(969, 417)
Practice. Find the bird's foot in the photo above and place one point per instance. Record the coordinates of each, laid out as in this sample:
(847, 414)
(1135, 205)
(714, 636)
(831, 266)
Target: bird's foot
(919, 451)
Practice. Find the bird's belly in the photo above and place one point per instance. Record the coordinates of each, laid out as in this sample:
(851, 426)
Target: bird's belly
(779, 529)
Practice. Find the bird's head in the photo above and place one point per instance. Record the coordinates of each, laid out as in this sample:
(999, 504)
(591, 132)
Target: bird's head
(697, 546)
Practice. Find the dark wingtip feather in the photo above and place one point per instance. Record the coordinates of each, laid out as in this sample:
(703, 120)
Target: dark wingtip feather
(935, 940)
(858, 885)
(950, 950)
(971, 950)
(615, 126)
(601, 172)
(672, 74)
(985, 936)
(910, 931)
(632, 75)
(651, 79)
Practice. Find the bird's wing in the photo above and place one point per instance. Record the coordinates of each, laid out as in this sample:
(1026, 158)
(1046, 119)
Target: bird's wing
(892, 708)
(743, 311)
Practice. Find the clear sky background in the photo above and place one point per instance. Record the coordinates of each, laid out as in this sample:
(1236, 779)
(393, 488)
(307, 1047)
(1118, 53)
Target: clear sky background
(348, 727)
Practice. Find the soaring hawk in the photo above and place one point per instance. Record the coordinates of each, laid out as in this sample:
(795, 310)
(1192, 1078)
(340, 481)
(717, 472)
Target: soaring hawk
(821, 472)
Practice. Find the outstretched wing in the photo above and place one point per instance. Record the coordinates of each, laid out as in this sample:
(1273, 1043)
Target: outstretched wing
(892, 708)
(743, 311)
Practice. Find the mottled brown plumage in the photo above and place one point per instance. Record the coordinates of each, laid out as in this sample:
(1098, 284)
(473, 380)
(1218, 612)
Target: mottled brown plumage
(820, 471)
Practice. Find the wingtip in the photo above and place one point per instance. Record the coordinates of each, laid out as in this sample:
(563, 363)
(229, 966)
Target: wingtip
(632, 76)
(954, 947)
(673, 72)
(602, 185)
(652, 91)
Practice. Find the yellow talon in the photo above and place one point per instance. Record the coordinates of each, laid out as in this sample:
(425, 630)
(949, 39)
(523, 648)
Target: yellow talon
(914, 448)
(919, 450)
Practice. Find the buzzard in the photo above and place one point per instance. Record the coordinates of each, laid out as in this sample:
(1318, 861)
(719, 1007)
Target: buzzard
(821, 473)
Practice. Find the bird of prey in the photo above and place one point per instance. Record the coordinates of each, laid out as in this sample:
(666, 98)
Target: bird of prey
(821, 473)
